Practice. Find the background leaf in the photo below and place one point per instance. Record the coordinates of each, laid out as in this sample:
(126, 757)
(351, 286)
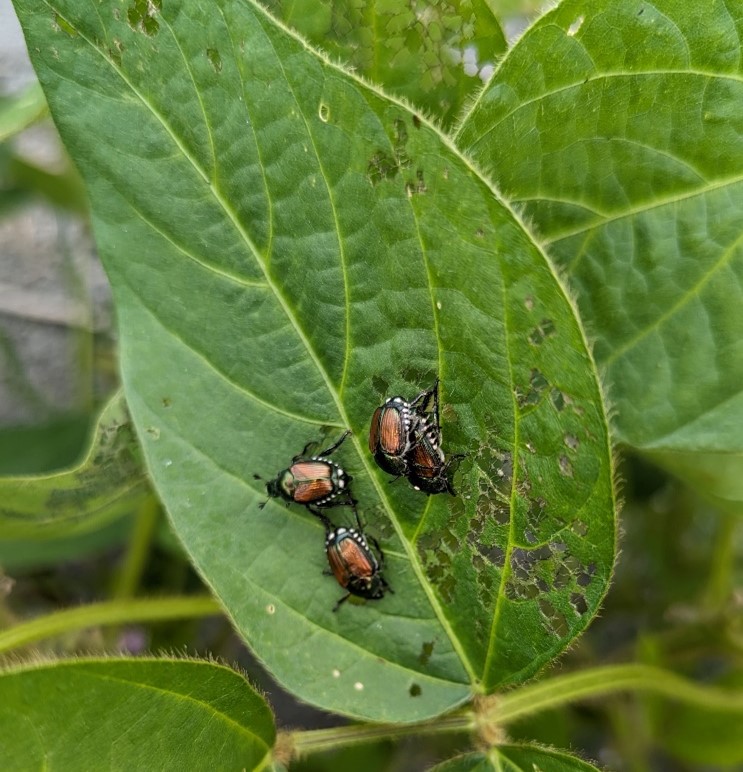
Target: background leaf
(515, 758)
(19, 111)
(616, 126)
(214, 719)
(107, 483)
(287, 248)
(433, 53)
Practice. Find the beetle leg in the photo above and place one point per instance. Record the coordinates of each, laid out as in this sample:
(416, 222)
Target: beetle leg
(378, 549)
(335, 446)
(386, 584)
(341, 601)
(301, 455)
(320, 516)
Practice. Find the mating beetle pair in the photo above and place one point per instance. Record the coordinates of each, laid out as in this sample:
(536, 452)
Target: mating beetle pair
(319, 483)
(405, 440)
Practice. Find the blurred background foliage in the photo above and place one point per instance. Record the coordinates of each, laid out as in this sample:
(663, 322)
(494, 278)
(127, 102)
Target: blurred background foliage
(677, 596)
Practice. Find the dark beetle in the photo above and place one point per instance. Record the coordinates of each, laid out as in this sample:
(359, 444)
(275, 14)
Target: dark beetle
(427, 466)
(354, 564)
(315, 481)
(396, 424)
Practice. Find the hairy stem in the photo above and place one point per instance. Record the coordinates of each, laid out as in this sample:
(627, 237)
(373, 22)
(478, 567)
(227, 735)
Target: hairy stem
(609, 679)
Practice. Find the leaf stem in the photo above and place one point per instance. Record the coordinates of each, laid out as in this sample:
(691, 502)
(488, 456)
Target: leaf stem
(720, 581)
(107, 613)
(130, 573)
(608, 679)
(319, 740)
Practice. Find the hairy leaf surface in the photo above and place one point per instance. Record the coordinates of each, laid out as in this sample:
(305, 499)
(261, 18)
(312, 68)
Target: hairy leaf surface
(288, 247)
(432, 53)
(616, 125)
(132, 714)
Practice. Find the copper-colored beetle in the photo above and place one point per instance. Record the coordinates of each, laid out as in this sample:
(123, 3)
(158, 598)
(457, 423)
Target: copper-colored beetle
(396, 424)
(354, 564)
(315, 481)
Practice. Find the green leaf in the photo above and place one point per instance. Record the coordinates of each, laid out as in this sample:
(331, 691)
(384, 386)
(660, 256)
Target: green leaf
(516, 758)
(432, 53)
(43, 447)
(22, 556)
(132, 714)
(287, 248)
(19, 111)
(107, 483)
(615, 125)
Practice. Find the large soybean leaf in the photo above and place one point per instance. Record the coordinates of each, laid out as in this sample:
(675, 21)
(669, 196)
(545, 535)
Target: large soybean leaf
(287, 247)
(617, 127)
(432, 52)
(515, 758)
(109, 482)
(132, 714)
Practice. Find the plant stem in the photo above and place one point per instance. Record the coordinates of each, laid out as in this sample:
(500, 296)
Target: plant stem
(720, 581)
(145, 522)
(318, 740)
(107, 613)
(606, 680)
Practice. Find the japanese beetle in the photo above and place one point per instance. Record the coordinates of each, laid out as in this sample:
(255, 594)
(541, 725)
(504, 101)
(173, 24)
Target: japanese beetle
(427, 465)
(315, 481)
(354, 564)
(394, 427)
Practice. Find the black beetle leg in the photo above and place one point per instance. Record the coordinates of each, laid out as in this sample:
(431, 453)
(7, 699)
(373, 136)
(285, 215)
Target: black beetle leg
(386, 585)
(341, 601)
(260, 506)
(378, 549)
(301, 455)
(335, 446)
(320, 516)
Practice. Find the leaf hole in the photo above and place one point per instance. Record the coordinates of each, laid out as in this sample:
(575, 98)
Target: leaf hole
(64, 25)
(324, 112)
(542, 331)
(571, 441)
(578, 602)
(566, 468)
(574, 28)
(212, 54)
(426, 652)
